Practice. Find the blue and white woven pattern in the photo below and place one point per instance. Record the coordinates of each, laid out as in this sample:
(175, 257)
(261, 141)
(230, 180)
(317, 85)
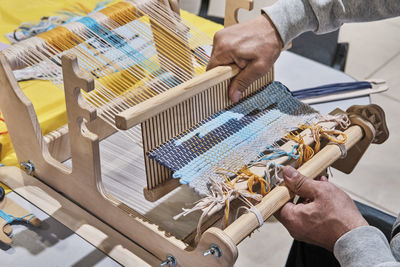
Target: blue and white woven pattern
(231, 138)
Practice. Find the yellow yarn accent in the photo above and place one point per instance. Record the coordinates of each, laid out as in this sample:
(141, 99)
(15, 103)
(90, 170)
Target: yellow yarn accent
(61, 38)
(122, 12)
(318, 132)
(304, 151)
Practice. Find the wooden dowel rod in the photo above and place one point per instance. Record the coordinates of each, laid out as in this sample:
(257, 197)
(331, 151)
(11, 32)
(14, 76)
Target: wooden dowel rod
(174, 96)
(273, 201)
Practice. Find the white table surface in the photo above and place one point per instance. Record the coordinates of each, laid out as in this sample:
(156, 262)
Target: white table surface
(55, 245)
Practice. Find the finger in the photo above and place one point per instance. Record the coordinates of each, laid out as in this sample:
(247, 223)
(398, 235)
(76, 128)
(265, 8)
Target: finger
(241, 63)
(244, 79)
(286, 213)
(290, 215)
(216, 61)
(298, 183)
(303, 200)
(322, 178)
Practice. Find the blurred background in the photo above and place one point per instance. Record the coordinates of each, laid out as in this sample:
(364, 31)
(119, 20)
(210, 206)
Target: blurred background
(363, 51)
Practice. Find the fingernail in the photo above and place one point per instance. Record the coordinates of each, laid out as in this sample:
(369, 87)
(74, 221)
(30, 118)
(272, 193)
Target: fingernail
(290, 172)
(324, 178)
(237, 95)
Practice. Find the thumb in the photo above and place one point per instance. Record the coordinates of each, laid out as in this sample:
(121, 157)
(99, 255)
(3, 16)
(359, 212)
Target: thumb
(298, 183)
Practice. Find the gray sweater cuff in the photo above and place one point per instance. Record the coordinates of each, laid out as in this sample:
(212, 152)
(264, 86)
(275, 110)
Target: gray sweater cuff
(291, 18)
(363, 246)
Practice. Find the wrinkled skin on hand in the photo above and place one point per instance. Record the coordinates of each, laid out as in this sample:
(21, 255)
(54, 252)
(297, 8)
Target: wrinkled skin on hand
(253, 46)
(326, 215)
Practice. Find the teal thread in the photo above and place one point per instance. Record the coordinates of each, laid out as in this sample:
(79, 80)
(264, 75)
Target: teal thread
(278, 152)
(9, 218)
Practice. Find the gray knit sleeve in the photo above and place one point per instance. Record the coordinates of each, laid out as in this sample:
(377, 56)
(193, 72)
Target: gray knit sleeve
(293, 17)
(395, 242)
(364, 246)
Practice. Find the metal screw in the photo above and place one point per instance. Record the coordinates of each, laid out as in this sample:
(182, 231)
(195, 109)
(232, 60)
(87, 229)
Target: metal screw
(214, 250)
(170, 261)
(28, 166)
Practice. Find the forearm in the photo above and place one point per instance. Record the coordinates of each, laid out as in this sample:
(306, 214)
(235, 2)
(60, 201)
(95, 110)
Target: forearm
(293, 17)
(364, 246)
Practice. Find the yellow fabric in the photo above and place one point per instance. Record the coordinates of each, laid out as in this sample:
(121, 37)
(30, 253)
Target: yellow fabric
(47, 99)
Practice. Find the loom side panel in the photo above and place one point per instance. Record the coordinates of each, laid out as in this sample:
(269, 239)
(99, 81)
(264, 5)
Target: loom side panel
(180, 119)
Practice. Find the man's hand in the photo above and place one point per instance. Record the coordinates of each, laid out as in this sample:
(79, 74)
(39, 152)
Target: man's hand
(326, 215)
(253, 46)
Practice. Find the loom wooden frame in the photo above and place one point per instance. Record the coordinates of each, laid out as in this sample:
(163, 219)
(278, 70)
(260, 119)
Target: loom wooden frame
(83, 184)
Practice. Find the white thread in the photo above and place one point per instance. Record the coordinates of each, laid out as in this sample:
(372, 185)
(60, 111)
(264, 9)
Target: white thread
(254, 210)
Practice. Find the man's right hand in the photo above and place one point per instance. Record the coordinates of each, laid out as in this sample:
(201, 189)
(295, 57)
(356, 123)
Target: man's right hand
(253, 46)
(327, 214)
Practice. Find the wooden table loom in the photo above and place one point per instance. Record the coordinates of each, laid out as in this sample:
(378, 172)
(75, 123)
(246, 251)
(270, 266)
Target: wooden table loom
(161, 119)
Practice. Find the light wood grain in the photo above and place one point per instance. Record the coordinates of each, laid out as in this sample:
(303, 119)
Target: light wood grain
(99, 234)
(174, 96)
(232, 8)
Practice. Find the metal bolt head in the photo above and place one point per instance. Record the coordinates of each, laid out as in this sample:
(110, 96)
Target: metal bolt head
(28, 166)
(169, 261)
(213, 250)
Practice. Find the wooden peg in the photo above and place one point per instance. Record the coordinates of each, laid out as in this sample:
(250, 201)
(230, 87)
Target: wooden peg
(3, 236)
(232, 8)
(7, 229)
(11, 208)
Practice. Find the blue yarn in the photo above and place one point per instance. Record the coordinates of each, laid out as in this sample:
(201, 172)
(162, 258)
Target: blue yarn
(111, 38)
(185, 147)
(227, 131)
(277, 152)
(330, 89)
(224, 148)
(211, 125)
(115, 39)
(9, 218)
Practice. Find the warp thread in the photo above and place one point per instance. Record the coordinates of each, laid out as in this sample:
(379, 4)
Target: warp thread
(220, 195)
